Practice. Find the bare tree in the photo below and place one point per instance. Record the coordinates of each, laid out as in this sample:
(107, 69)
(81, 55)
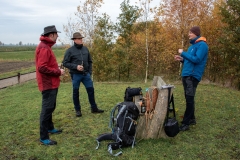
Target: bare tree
(84, 22)
(87, 19)
(69, 29)
(146, 11)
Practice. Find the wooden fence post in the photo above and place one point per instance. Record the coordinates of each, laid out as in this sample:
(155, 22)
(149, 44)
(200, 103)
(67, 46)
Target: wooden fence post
(18, 75)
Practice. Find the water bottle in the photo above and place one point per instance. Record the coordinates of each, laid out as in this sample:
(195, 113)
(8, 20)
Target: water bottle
(143, 106)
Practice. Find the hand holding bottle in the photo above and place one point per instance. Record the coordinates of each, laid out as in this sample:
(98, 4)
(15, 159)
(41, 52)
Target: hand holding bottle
(80, 68)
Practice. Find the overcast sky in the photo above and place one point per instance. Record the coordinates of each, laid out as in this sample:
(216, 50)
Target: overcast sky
(24, 20)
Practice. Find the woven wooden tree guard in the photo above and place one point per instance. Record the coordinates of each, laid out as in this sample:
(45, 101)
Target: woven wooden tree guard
(151, 123)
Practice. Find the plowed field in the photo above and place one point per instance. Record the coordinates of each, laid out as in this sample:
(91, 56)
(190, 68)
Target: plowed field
(11, 66)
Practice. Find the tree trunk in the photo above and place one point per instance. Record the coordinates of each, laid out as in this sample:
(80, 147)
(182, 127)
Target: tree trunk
(152, 125)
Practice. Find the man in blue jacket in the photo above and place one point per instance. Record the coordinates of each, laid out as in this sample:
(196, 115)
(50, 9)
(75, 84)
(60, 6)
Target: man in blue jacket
(194, 61)
(78, 60)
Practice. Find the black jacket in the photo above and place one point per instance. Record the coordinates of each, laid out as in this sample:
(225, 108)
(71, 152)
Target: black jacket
(75, 56)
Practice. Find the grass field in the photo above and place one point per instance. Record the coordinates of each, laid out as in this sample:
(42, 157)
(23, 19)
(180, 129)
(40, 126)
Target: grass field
(27, 55)
(215, 137)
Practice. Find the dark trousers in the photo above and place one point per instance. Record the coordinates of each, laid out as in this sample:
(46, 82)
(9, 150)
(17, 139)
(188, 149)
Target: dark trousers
(88, 83)
(49, 98)
(190, 85)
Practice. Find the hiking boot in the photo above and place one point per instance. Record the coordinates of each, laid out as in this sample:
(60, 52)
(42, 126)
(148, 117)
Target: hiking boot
(48, 142)
(78, 114)
(184, 127)
(192, 122)
(97, 110)
(55, 131)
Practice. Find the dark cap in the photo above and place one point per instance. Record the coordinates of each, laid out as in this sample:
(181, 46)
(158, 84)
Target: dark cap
(76, 35)
(195, 30)
(50, 29)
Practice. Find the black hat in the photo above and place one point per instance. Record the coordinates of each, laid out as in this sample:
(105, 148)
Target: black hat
(50, 29)
(77, 35)
(195, 30)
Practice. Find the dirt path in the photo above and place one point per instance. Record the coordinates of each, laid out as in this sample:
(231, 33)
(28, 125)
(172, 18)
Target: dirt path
(17, 79)
(14, 65)
(11, 66)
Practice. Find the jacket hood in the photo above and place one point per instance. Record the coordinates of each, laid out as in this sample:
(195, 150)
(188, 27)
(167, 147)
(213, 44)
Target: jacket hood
(47, 40)
(201, 39)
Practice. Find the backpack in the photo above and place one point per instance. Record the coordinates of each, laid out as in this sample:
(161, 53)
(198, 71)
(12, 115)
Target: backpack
(131, 92)
(171, 124)
(123, 126)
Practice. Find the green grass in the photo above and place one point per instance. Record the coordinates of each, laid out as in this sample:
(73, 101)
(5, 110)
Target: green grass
(17, 55)
(216, 135)
(27, 55)
(16, 48)
(24, 48)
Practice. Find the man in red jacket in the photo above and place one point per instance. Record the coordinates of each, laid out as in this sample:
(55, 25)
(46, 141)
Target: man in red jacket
(48, 80)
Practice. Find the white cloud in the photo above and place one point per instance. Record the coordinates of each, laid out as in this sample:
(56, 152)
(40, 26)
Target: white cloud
(24, 20)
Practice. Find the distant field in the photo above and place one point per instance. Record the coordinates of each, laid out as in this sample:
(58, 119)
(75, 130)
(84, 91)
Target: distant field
(23, 48)
(27, 55)
(17, 61)
(16, 48)
(17, 56)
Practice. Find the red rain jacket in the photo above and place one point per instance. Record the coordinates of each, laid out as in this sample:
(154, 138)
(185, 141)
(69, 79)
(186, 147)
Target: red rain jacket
(47, 70)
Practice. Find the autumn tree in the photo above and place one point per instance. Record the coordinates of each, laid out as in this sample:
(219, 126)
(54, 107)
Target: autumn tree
(230, 39)
(155, 44)
(103, 49)
(124, 28)
(211, 29)
(178, 16)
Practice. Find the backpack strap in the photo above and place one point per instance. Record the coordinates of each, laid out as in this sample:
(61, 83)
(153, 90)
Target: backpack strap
(114, 146)
(132, 122)
(124, 118)
(112, 119)
(134, 137)
(170, 101)
(106, 136)
(121, 110)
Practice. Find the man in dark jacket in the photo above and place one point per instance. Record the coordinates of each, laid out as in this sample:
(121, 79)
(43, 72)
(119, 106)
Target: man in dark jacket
(47, 72)
(78, 60)
(194, 61)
